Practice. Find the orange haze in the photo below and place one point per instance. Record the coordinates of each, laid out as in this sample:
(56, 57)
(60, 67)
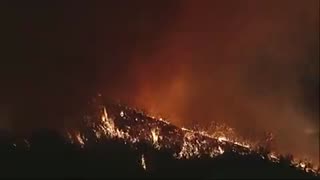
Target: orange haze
(237, 62)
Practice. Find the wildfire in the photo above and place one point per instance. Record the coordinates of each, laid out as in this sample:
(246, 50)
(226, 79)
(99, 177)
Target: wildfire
(222, 138)
(273, 157)
(132, 127)
(108, 127)
(79, 139)
(143, 162)
(155, 137)
(221, 151)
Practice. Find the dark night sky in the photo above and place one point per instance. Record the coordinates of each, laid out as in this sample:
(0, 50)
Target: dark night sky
(56, 53)
(253, 65)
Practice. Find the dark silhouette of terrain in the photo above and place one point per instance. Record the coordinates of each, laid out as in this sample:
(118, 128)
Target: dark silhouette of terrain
(48, 153)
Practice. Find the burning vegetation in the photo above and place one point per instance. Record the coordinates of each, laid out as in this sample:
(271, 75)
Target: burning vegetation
(134, 128)
(116, 140)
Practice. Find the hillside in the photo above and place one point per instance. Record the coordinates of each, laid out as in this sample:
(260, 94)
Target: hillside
(117, 141)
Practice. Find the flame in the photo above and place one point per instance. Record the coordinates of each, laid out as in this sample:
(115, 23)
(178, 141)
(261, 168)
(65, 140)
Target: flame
(193, 144)
(143, 162)
(188, 148)
(221, 151)
(155, 138)
(79, 139)
(108, 127)
(222, 138)
(274, 157)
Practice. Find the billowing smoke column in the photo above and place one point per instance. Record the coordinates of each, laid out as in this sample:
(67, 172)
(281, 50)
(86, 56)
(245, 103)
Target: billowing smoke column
(242, 63)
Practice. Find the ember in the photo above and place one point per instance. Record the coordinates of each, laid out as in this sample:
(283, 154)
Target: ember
(132, 127)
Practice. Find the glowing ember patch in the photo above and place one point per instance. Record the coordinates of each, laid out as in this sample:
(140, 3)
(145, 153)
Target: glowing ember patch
(143, 162)
(242, 144)
(187, 149)
(79, 139)
(221, 151)
(185, 129)
(273, 157)
(121, 113)
(164, 121)
(98, 134)
(222, 139)
(155, 135)
(155, 138)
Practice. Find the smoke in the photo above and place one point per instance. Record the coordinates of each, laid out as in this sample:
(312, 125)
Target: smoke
(240, 63)
(252, 65)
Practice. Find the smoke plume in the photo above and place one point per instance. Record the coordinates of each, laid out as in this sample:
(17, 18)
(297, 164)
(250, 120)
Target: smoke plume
(241, 63)
(252, 65)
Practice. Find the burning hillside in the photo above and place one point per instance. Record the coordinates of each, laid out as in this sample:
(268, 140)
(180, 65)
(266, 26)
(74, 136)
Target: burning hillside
(117, 140)
(237, 81)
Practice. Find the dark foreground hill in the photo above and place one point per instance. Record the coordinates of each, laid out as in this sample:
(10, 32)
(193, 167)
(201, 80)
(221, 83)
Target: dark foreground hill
(114, 151)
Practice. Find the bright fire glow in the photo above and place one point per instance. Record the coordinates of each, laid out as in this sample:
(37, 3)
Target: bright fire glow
(193, 144)
(143, 162)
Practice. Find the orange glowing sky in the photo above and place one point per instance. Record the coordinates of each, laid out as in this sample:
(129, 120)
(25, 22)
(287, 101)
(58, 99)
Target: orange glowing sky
(232, 62)
(252, 65)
